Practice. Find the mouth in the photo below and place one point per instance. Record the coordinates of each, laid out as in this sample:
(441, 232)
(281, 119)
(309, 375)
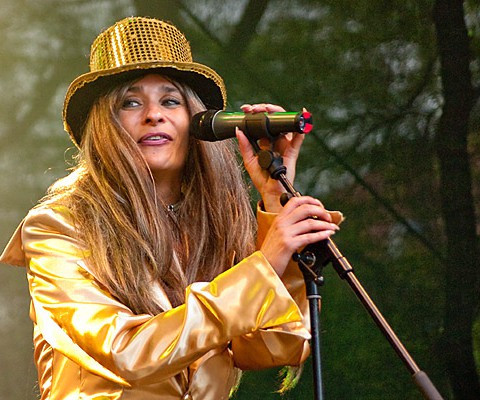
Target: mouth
(155, 139)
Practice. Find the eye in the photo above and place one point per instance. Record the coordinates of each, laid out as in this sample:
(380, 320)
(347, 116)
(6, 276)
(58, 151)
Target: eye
(130, 103)
(171, 102)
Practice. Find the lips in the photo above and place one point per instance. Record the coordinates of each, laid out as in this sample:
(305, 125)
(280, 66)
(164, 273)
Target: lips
(156, 138)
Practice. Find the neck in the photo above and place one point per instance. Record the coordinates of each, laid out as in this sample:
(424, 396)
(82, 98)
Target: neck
(169, 190)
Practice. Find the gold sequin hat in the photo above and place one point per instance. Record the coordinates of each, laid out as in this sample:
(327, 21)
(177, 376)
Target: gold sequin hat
(129, 49)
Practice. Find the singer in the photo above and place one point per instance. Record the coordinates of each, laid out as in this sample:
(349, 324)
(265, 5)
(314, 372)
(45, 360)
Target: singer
(149, 276)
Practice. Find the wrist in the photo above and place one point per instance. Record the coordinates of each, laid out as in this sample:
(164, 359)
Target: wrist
(271, 203)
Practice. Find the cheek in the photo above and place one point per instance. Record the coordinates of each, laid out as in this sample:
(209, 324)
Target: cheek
(184, 147)
(127, 123)
(184, 132)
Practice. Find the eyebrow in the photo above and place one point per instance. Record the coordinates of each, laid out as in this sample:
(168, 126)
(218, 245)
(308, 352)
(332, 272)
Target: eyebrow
(164, 87)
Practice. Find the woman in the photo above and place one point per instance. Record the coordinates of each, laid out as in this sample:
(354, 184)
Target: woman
(142, 269)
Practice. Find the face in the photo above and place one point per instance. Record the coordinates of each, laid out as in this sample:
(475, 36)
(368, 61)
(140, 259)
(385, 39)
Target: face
(155, 115)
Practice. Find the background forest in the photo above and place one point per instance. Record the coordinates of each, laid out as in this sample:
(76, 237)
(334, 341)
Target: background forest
(393, 87)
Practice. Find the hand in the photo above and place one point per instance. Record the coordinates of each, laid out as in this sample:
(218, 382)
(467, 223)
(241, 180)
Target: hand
(288, 146)
(294, 228)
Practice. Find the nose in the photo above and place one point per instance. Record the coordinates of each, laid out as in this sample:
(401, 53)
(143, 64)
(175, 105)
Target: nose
(153, 114)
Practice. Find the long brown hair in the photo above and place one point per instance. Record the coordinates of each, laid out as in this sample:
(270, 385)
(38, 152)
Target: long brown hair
(134, 242)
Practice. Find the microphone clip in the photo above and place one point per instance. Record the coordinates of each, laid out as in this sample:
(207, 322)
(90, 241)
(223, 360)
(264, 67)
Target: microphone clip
(272, 162)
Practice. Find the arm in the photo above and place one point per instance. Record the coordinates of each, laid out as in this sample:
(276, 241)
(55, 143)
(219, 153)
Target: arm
(282, 231)
(293, 228)
(281, 345)
(78, 317)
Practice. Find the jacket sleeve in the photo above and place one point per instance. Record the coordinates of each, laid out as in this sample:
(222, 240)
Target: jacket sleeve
(285, 344)
(79, 318)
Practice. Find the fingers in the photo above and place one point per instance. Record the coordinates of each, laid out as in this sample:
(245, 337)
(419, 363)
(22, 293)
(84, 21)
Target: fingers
(261, 107)
(288, 144)
(302, 221)
(304, 207)
(244, 145)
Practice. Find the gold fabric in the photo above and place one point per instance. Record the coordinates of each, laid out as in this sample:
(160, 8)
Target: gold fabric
(89, 345)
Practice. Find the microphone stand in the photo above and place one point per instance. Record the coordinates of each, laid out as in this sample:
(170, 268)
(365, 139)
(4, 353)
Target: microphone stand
(311, 260)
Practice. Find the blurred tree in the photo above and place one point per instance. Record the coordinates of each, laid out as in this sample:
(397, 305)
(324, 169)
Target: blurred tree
(379, 88)
(458, 208)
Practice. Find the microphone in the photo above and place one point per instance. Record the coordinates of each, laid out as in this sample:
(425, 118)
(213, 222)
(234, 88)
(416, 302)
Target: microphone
(214, 125)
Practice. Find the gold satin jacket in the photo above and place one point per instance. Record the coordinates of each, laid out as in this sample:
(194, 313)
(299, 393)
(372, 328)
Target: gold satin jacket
(88, 345)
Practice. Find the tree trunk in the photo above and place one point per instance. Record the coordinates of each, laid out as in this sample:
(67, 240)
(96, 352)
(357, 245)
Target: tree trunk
(462, 266)
(245, 29)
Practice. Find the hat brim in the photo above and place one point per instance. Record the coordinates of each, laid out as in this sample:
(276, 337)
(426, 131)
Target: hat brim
(85, 89)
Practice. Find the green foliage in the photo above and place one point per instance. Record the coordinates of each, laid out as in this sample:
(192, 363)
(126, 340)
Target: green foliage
(368, 72)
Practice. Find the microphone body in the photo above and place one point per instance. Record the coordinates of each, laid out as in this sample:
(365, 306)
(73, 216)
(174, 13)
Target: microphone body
(214, 125)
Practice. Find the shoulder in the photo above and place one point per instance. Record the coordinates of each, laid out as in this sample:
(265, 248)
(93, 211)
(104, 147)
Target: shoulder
(55, 218)
(41, 222)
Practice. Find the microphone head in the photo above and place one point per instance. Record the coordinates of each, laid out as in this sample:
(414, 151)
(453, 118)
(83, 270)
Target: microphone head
(201, 125)
(305, 122)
